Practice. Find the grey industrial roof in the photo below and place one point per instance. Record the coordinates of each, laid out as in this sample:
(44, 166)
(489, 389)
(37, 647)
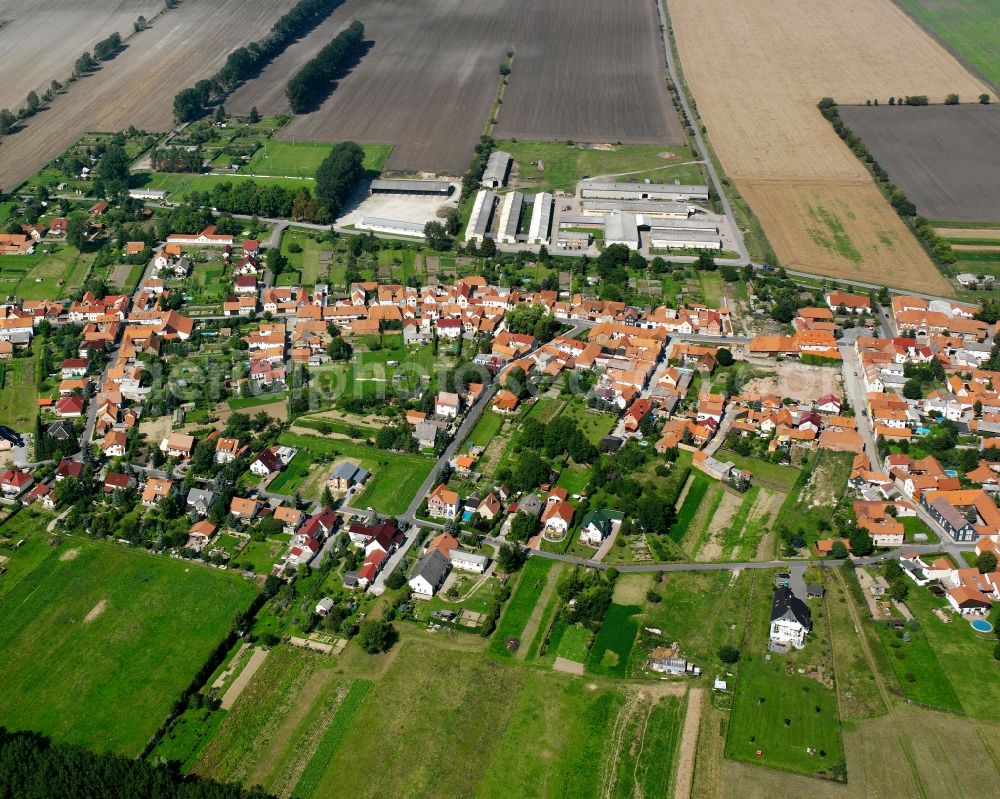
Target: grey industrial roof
(485, 213)
(496, 166)
(516, 202)
(399, 224)
(651, 207)
(685, 235)
(545, 219)
(621, 227)
(405, 184)
(645, 188)
(684, 224)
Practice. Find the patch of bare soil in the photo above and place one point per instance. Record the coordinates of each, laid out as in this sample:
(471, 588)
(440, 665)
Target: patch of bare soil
(95, 611)
(689, 744)
(768, 503)
(569, 667)
(244, 677)
(70, 554)
(711, 549)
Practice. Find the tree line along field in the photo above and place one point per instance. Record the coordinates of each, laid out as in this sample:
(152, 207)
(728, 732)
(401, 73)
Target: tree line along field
(68, 29)
(430, 77)
(819, 207)
(945, 158)
(970, 30)
(89, 629)
(137, 88)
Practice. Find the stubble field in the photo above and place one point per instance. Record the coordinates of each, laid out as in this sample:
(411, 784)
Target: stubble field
(946, 158)
(138, 87)
(819, 207)
(30, 64)
(428, 83)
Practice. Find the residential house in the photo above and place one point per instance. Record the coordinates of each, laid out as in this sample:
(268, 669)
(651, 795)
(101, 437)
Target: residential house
(114, 443)
(199, 534)
(155, 490)
(429, 574)
(447, 404)
(790, 619)
(599, 525)
(442, 503)
(243, 509)
(266, 463)
(14, 482)
(345, 476)
(199, 500)
(178, 445)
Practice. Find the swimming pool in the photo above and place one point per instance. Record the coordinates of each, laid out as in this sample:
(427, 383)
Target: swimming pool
(951, 472)
(981, 626)
(923, 431)
(467, 515)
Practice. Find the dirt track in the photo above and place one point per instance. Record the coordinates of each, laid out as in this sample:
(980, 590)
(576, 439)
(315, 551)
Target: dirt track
(689, 744)
(759, 106)
(138, 87)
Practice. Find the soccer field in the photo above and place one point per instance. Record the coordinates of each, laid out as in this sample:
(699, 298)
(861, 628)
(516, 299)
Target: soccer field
(99, 641)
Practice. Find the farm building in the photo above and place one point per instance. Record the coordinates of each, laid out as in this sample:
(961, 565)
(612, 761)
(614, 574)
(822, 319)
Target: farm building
(666, 209)
(660, 238)
(510, 215)
(395, 227)
(541, 218)
(592, 190)
(482, 215)
(437, 188)
(621, 228)
(573, 240)
(497, 167)
(148, 194)
(683, 224)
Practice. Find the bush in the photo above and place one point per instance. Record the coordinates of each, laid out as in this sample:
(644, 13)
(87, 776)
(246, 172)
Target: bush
(376, 635)
(653, 596)
(728, 653)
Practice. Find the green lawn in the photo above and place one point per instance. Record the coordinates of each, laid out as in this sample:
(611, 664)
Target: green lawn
(692, 501)
(241, 403)
(711, 288)
(971, 28)
(573, 643)
(181, 184)
(781, 715)
(593, 424)
(53, 271)
(921, 676)
(18, 394)
(302, 159)
(306, 262)
(780, 476)
(574, 479)
(485, 430)
(395, 477)
(293, 475)
(614, 641)
(95, 628)
(546, 166)
(534, 576)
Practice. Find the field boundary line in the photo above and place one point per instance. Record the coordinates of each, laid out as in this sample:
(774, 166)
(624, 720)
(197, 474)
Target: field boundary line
(689, 742)
(904, 742)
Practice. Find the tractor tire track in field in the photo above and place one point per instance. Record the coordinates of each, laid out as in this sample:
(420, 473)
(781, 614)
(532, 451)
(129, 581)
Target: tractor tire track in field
(904, 743)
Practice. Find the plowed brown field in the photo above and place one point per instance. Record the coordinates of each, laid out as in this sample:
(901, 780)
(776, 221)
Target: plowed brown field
(818, 205)
(138, 87)
(40, 39)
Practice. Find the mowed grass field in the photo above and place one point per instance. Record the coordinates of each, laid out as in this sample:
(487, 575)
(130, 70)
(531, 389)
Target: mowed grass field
(99, 641)
(971, 29)
(302, 159)
(819, 207)
(551, 165)
(395, 477)
(446, 722)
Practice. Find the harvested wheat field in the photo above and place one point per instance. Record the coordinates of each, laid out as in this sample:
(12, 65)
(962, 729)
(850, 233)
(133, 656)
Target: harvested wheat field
(819, 207)
(138, 87)
(586, 70)
(40, 39)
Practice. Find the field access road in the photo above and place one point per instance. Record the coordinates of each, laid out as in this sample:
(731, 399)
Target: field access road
(698, 138)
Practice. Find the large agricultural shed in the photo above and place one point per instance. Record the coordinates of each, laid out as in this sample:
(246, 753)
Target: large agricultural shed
(598, 190)
(438, 188)
(586, 70)
(945, 157)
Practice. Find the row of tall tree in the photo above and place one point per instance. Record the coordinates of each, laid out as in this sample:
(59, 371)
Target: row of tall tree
(312, 84)
(245, 62)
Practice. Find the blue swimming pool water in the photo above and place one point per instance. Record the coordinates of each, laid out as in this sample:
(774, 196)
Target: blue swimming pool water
(466, 515)
(981, 625)
(923, 431)
(951, 472)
